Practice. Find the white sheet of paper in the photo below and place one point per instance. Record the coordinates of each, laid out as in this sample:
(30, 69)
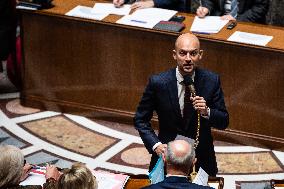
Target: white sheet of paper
(147, 18)
(208, 24)
(109, 8)
(250, 38)
(214, 185)
(110, 180)
(85, 12)
(34, 179)
(201, 178)
(24, 7)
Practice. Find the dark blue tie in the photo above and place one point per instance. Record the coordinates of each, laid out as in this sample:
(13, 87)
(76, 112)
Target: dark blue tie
(234, 8)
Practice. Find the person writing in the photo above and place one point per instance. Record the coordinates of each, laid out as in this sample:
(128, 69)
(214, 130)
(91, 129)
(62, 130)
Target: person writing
(179, 160)
(13, 168)
(241, 10)
(167, 95)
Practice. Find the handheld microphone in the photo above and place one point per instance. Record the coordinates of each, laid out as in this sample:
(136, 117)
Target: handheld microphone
(187, 80)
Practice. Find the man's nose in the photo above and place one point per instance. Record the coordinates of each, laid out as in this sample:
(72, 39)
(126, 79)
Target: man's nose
(187, 57)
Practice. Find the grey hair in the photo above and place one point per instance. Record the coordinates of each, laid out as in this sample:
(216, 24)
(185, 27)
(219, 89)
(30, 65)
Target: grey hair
(11, 165)
(183, 163)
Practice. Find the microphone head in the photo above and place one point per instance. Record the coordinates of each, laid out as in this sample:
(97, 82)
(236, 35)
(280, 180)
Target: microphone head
(187, 80)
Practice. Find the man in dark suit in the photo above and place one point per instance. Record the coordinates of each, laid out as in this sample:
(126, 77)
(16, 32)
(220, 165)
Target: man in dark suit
(247, 10)
(165, 94)
(179, 159)
(178, 5)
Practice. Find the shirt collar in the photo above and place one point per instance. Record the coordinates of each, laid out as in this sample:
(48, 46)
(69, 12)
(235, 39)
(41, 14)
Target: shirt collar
(180, 77)
(169, 175)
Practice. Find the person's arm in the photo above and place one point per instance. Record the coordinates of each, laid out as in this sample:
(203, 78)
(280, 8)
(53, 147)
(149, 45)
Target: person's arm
(143, 116)
(219, 116)
(256, 13)
(209, 4)
(165, 3)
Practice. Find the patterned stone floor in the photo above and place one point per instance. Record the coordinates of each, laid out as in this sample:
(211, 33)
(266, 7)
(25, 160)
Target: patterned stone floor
(62, 139)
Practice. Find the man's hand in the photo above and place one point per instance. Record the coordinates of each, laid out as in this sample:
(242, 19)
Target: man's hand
(52, 172)
(118, 3)
(228, 17)
(202, 12)
(161, 149)
(26, 170)
(142, 4)
(199, 104)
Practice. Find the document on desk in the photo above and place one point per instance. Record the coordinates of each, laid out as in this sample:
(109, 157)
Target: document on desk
(147, 18)
(109, 8)
(34, 178)
(208, 24)
(201, 178)
(110, 180)
(85, 12)
(250, 38)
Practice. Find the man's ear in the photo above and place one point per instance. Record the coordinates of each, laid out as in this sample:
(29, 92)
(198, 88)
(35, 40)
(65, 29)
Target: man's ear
(200, 54)
(194, 161)
(175, 54)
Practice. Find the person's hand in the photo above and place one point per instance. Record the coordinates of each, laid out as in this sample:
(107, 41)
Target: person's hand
(142, 4)
(52, 172)
(26, 170)
(199, 104)
(161, 149)
(228, 17)
(118, 3)
(201, 12)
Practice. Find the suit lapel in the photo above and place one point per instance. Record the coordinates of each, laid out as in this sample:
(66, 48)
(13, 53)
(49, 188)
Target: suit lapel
(199, 82)
(173, 92)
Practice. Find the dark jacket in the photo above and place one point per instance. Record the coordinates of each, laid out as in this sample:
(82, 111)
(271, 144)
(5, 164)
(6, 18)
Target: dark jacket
(178, 5)
(249, 10)
(174, 182)
(161, 95)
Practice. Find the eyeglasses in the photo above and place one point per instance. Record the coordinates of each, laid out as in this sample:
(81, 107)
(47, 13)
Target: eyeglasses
(192, 53)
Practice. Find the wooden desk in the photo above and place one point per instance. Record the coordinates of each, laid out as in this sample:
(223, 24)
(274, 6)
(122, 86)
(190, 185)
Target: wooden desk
(100, 69)
(139, 181)
(277, 184)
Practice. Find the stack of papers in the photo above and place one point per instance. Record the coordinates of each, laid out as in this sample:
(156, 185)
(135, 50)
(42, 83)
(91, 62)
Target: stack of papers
(250, 38)
(110, 180)
(147, 18)
(86, 12)
(109, 8)
(208, 24)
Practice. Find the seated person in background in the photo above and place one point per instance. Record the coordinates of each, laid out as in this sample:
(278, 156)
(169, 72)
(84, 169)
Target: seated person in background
(178, 5)
(241, 10)
(78, 177)
(179, 160)
(12, 168)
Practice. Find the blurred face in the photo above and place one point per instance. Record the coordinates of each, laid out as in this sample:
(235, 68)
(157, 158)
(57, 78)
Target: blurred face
(187, 53)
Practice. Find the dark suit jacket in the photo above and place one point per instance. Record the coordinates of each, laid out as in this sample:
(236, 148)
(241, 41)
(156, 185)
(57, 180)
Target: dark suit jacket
(178, 5)
(7, 27)
(161, 95)
(249, 10)
(176, 183)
